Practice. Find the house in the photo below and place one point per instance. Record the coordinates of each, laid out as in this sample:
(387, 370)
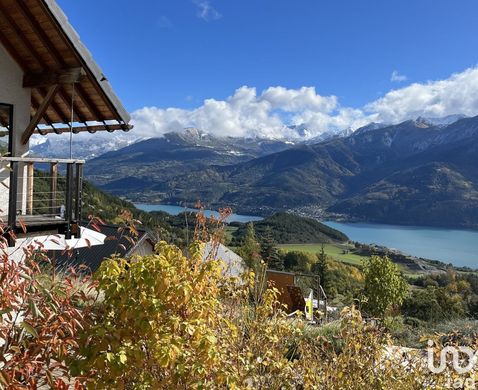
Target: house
(116, 244)
(49, 83)
(232, 264)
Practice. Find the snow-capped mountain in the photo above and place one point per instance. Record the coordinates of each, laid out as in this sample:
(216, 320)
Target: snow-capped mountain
(88, 146)
(441, 121)
(84, 145)
(371, 126)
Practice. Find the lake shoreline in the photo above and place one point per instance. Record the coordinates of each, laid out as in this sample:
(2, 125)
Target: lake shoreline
(457, 246)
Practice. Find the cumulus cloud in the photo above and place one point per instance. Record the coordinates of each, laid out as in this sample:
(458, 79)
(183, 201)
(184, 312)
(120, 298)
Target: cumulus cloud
(397, 77)
(247, 113)
(274, 112)
(456, 95)
(206, 11)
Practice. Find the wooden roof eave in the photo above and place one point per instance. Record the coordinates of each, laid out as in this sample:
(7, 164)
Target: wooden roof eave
(88, 62)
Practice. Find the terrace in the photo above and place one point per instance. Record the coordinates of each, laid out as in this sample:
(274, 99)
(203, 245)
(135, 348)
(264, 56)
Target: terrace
(41, 199)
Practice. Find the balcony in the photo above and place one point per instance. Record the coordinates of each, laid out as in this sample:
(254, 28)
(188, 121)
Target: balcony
(40, 194)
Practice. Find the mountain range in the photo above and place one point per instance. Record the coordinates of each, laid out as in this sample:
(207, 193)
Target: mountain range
(58, 146)
(418, 172)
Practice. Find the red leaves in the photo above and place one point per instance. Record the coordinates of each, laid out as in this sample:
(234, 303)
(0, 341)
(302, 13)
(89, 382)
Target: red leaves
(39, 330)
(22, 225)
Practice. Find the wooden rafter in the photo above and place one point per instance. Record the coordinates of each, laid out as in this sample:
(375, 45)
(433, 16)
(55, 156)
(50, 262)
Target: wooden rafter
(40, 113)
(40, 32)
(48, 78)
(25, 42)
(91, 129)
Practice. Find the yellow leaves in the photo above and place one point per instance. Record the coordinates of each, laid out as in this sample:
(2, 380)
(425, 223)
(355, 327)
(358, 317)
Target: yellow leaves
(175, 322)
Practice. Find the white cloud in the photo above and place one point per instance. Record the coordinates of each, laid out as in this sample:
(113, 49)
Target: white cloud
(206, 11)
(247, 113)
(397, 77)
(269, 113)
(456, 95)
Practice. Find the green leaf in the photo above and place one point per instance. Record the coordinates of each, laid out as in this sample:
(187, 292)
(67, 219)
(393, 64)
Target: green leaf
(122, 358)
(35, 311)
(110, 356)
(29, 329)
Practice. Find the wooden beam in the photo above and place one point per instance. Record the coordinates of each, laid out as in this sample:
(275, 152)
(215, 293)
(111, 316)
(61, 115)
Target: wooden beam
(91, 129)
(40, 32)
(39, 114)
(47, 79)
(26, 42)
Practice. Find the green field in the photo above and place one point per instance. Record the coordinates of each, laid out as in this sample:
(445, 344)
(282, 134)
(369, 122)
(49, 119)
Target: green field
(339, 252)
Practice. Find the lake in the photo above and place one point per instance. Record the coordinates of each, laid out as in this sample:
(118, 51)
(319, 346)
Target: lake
(459, 247)
(175, 210)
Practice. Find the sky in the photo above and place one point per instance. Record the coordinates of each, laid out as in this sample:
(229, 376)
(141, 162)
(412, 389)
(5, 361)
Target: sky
(255, 67)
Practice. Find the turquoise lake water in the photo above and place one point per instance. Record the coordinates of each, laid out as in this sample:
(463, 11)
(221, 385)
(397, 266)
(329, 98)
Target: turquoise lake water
(459, 247)
(175, 210)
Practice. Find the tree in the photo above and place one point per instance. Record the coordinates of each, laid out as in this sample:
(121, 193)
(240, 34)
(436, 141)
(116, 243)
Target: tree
(250, 248)
(298, 261)
(385, 287)
(321, 268)
(269, 252)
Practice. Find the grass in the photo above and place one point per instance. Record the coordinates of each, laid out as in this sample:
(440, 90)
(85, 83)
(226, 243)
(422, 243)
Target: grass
(339, 252)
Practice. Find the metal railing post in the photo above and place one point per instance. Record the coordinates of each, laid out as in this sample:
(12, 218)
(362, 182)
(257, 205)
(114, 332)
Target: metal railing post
(79, 192)
(53, 186)
(12, 202)
(69, 200)
(30, 173)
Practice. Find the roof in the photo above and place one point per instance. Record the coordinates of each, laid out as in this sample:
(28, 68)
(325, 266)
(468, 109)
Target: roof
(233, 265)
(39, 37)
(93, 257)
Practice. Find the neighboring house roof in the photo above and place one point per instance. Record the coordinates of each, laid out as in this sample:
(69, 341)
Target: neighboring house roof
(40, 39)
(233, 266)
(92, 257)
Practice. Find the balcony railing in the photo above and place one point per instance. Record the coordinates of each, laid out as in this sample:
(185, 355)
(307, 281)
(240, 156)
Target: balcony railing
(43, 194)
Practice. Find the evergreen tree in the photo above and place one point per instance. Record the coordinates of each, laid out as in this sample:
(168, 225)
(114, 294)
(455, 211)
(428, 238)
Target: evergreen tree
(250, 248)
(269, 252)
(321, 268)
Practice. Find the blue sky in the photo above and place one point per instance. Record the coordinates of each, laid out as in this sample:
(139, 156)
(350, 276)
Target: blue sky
(177, 53)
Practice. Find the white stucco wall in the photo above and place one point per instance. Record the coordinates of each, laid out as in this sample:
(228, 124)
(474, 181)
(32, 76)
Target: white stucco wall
(12, 92)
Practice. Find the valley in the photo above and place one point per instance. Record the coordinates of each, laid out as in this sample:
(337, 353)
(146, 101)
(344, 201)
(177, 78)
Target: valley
(419, 172)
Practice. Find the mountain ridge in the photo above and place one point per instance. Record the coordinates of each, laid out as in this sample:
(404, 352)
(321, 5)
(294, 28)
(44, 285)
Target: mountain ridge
(408, 173)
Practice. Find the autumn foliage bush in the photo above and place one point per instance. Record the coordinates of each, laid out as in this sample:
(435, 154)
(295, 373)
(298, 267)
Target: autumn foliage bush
(41, 315)
(171, 320)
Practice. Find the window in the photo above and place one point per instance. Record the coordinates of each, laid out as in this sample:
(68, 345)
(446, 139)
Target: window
(6, 123)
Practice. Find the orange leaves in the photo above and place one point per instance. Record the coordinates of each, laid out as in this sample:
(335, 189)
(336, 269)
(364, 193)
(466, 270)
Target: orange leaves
(39, 330)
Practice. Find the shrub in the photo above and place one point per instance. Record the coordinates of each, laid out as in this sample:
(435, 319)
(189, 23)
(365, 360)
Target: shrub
(171, 321)
(41, 315)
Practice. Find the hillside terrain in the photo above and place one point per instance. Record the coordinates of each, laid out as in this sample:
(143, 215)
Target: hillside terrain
(151, 170)
(290, 229)
(419, 172)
